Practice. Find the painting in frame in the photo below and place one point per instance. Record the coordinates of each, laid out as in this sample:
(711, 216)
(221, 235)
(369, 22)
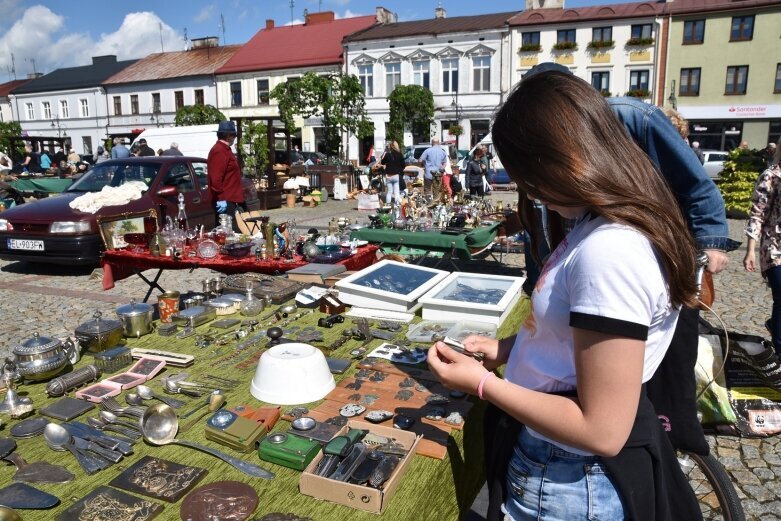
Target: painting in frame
(114, 227)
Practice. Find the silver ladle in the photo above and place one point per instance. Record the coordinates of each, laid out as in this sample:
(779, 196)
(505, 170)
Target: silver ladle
(159, 426)
(148, 394)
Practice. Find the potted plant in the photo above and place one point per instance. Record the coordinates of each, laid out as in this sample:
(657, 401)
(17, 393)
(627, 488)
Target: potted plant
(638, 93)
(738, 179)
(565, 46)
(606, 93)
(455, 130)
(531, 47)
(601, 44)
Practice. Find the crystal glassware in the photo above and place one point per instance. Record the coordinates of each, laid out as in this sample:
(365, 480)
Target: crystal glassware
(251, 306)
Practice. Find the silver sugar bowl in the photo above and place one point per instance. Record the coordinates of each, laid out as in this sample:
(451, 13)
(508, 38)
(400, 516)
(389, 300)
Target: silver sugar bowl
(40, 358)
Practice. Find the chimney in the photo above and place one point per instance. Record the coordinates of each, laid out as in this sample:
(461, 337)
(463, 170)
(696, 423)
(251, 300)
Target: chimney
(104, 60)
(319, 18)
(33, 75)
(544, 4)
(208, 41)
(269, 24)
(440, 12)
(385, 16)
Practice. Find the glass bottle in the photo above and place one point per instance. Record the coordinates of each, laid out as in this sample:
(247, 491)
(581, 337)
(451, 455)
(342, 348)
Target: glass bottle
(251, 306)
(181, 217)
(224, 230)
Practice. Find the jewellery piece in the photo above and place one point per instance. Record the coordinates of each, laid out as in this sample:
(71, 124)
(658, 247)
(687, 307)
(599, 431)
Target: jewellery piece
(351, 409)
(454, 418)
(437, 399)
(435, 413)
(378, 416)
(403, 422)
(404, 395)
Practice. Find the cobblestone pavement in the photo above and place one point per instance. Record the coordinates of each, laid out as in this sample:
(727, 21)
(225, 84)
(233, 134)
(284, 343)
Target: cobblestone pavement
(54, 300)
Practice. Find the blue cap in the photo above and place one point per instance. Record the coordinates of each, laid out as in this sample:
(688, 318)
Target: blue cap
(227, 127)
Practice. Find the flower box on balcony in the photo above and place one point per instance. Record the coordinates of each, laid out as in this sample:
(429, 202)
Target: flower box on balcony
(531, 47)
(640, 41)
(565, 46)
(601, 44)
(639, 93)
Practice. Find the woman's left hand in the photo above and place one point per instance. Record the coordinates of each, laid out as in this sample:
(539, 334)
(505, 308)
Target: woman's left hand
(454, 370)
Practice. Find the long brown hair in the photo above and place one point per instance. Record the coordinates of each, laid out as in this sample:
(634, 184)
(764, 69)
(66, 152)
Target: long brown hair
(562, 144)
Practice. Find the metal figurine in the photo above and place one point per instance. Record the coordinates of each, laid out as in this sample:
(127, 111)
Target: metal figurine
(15, 405)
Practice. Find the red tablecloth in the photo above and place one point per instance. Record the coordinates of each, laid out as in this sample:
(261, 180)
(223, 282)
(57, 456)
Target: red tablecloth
(121, 264)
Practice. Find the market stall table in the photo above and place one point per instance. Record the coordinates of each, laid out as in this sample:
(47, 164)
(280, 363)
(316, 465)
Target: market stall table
(50, 185)
(455, 245)
(430, 489)
(121, 264)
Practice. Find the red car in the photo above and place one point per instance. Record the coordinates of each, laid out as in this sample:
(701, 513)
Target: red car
(50, 231)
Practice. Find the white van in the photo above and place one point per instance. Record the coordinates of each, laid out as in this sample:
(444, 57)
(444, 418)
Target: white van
(499, 175)
(194, 140)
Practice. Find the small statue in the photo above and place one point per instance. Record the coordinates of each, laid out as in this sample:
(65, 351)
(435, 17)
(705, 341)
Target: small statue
(280, 232)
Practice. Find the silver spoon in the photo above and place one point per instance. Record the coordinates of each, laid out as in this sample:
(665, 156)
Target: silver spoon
(57, 438)
(160, 424)
(112, 418)
(173, 388)
(133, 399)
(203, 404)
(148, 394)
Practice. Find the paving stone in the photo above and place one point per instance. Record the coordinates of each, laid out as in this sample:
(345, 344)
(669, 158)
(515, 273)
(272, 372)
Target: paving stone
(759, 493)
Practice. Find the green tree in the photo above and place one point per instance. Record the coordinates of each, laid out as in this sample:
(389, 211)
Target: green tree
(738, 178)
(198, 115)
(411, 108)
(8, 130)
(336, 98)
(254, 146)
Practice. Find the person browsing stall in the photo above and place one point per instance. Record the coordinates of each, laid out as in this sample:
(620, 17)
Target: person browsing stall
(433, 161)
(224, 173)
(571, 412)
(393, 161)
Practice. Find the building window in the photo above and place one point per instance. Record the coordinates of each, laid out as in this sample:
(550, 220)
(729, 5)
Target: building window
(366, 77)
(235, 94)
(263, 92)
(156, 102)
(690, 82)
(642, 31)
(84, 107)
(117, 105)
(420, 73)
(777, 88)
(47, 110)
(199, 99)
(600, 80)
(134, 104)
(481, 73)
(737, 79)
(392, 76)
(30, 111)
(693, 32)
(565, 36)
(450, 75)
(638, 80)
(742, 28)
(178, 99)
(64, 109)
(602, 34)
(530, 38)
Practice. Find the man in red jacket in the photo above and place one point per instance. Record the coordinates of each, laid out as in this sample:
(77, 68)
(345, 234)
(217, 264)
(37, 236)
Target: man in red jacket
(224, 173)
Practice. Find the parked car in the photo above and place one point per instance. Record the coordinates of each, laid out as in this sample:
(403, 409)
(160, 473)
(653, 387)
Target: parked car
(714, 162)
(50, 231)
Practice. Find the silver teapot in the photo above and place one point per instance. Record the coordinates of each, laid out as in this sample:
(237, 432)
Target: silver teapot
(40, 358)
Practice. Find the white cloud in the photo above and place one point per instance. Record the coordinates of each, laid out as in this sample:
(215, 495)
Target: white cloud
(340, 2)
(41, 35)
(204, 14)
(347, 14)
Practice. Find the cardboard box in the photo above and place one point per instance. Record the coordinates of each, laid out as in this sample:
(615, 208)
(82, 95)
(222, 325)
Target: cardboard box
(358, 496)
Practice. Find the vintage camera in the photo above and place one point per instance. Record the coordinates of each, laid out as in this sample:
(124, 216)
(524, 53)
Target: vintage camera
(234, 431)
(288, 450)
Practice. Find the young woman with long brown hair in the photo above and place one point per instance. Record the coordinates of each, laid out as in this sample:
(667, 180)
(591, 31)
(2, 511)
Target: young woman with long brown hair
(603, 313)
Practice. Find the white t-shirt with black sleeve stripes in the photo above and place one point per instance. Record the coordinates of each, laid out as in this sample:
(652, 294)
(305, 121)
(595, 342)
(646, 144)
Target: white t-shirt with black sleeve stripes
(603, 277)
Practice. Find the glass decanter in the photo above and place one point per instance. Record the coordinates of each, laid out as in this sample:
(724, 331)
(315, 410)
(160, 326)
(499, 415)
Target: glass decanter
(225, 230)
(251, 306)
(181, 216)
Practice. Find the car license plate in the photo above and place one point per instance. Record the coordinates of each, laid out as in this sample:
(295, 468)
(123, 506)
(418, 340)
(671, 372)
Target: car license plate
(25, 244)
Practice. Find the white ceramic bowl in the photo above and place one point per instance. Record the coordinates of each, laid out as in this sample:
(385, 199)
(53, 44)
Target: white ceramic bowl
(292, 374)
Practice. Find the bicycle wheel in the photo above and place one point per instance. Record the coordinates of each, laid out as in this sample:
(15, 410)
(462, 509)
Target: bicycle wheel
(712, 485)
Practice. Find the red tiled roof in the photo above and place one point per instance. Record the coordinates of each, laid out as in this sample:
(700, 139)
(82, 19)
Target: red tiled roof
(695, 6)
(6, 88)
(582, 14)
(433, 26)
(296, 46)
(195, 62)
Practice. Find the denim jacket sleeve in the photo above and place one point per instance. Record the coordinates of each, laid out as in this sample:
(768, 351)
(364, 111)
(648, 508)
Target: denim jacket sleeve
(697, 195)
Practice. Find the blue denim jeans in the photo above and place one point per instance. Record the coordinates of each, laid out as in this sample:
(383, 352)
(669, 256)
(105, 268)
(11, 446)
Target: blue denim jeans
(545, 482)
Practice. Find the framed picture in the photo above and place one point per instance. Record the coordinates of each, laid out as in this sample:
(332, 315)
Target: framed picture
(114, 227)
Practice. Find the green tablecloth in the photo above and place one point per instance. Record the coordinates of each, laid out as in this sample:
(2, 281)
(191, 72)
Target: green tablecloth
(431, 489)
(41, 184)
(461, 245)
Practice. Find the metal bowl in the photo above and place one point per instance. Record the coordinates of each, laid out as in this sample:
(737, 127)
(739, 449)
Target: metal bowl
(238, 250)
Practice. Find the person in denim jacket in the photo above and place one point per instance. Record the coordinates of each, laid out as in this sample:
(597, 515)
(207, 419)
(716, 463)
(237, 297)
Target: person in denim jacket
(763, 226)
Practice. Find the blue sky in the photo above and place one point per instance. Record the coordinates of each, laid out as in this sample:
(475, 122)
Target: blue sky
(45, 35)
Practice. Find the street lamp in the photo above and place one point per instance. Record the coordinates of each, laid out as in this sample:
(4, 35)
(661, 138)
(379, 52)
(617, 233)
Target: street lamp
(155, 116)
(673, 99)
(455, 106)
(56, 124)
